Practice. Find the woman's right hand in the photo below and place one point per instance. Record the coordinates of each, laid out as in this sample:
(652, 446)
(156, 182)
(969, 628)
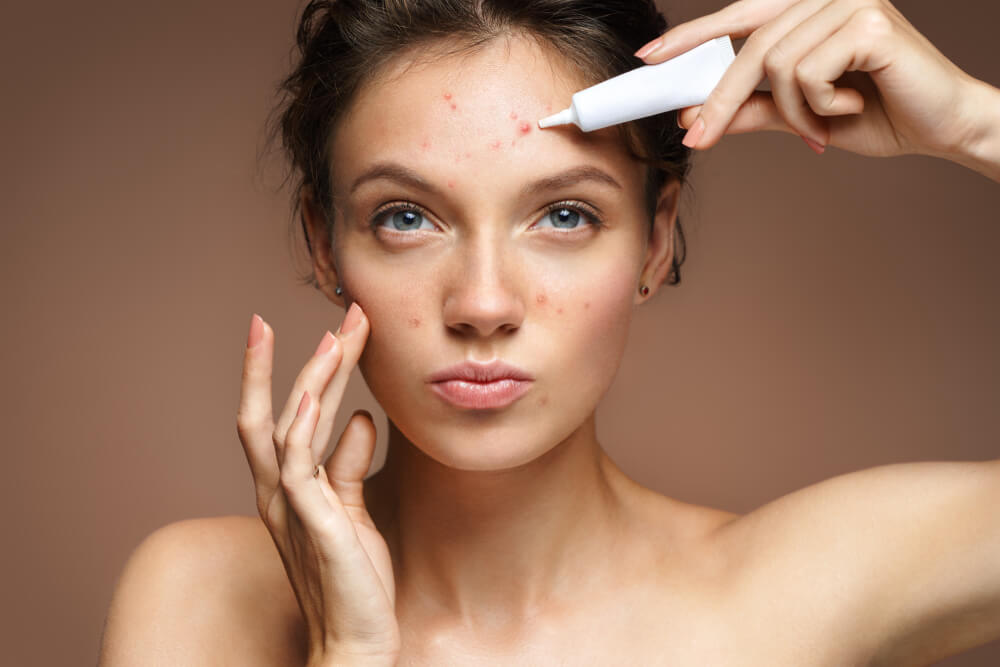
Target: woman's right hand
(335, 558)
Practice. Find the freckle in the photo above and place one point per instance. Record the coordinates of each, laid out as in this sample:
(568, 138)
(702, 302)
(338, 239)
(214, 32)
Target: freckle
(453, 106)
(495, 145)
(414, 322)
(559, 310)
(513, 115)
(525, 128)
(586, 304)
(451, 184)
(447, 96)
(541, 298)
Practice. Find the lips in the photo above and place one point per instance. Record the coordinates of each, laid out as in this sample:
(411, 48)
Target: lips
(481, 386)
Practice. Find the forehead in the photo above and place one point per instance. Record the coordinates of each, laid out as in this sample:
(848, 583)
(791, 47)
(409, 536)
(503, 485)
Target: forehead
(471, 111)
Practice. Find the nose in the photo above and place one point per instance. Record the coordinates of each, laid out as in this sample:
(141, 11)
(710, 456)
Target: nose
(483, 296)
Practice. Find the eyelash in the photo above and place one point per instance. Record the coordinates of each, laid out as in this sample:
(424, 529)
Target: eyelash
(589, 213)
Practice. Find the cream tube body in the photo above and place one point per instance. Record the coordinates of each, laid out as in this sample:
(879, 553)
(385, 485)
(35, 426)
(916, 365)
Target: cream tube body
(682, 81)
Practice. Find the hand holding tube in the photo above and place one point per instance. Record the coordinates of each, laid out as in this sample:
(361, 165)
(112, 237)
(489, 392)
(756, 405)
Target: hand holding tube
(848, 73)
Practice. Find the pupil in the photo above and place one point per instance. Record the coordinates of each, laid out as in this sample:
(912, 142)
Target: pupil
(405, 219)
(564, 217)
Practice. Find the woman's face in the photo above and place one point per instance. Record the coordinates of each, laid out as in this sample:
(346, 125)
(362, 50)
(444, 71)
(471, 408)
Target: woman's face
(466, 233)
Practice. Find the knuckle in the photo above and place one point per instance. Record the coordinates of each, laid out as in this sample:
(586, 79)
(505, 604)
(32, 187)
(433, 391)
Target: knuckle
(248, 424)
(805, 70)
(873, 21)
(776, 59)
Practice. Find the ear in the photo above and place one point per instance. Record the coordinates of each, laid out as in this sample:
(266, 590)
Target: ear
(314, 225)
(660, 247)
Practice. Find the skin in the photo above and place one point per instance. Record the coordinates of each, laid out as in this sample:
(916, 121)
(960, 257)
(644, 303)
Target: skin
(484, 536)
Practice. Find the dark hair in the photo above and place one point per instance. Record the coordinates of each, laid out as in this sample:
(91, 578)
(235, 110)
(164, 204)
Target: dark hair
(342, 43)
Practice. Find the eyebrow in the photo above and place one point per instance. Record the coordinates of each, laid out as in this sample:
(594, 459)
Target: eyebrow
(393, 171)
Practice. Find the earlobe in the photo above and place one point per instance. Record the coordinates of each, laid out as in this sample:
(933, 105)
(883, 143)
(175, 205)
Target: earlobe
(314, 226)
(660, 248)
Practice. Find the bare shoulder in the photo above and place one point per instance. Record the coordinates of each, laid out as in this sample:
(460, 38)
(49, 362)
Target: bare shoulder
(199, 589)
(902, 559)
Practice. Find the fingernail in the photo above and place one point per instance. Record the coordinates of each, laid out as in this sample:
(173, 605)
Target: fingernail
(694, 134)
(648, 48)
(819, 148)
(325, 344)
(303, 404)
(352, 318)
(256, 331)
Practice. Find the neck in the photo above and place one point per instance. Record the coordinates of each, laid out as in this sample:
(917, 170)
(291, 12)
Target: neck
(492, 549)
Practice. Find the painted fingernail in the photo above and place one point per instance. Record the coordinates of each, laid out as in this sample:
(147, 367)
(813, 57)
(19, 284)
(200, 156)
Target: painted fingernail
(352, 318)
(325, 344)
(648, 48)
(694, 134)
(819, 148)
(256, 331)
(303, 404)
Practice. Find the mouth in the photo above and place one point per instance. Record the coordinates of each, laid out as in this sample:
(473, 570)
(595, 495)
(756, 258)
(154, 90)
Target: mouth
(481, 395)
(481, 386)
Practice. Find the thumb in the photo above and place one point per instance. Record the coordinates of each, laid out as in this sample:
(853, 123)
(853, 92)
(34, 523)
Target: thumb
(758, 112)
(349, 463)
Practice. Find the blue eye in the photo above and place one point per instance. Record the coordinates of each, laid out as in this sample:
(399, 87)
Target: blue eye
(568, 215)
(401, 217)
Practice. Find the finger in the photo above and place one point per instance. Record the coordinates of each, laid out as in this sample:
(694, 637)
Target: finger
(862, 43)
(314, 377)
(253, 416)
(781, 65)
(352, 335)
(745, 73)
(351, 460)
(301, 488)
(791, 69)
(736, 20)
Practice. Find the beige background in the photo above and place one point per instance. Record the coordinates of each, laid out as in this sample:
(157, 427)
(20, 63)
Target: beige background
(837, 312)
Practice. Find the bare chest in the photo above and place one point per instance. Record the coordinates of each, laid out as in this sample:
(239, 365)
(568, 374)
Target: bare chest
(664, 626)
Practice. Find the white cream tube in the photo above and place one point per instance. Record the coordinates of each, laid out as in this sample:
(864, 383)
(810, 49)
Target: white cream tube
(682, 81)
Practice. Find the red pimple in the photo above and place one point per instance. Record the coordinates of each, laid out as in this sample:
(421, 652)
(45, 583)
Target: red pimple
(468, 155)
(414, 322)
(512, 143)
(513, 115)
(495, 145)
(548, 107)
(559, 310)
(451, 184)
(541, 298)
(453, 106)
(525, 128)
(426, 145)
(447, 96)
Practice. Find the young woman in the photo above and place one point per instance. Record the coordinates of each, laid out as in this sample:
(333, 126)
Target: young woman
(489, 271)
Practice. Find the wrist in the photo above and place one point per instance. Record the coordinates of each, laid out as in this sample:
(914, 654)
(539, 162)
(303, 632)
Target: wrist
(979, 148)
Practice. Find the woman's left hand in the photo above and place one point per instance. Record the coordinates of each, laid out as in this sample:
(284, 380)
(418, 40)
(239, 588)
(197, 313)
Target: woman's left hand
(854, 74)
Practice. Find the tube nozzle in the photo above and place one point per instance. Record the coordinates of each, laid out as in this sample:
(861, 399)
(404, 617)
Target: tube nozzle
(564, 117)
